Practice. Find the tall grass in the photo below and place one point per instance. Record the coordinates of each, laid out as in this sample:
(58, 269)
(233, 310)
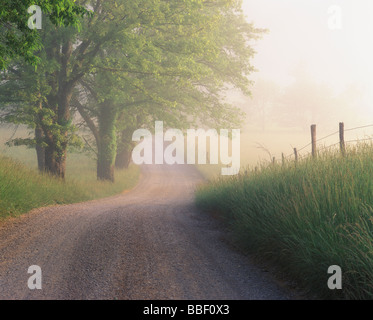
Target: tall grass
(305, 218)
(22, 188)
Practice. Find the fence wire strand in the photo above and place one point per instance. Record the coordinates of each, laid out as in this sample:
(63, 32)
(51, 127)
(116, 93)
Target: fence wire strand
(330, 135)
(367, 126)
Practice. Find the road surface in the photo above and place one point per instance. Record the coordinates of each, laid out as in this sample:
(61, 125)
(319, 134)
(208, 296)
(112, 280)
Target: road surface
(149, 243)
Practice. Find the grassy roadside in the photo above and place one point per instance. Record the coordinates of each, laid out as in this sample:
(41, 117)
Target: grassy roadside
(305, 218)
(22, 188)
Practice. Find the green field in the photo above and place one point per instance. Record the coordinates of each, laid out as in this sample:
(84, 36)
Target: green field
(305, 218)
(22, 188)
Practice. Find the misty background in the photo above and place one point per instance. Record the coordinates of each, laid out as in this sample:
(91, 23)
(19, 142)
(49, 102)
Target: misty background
(307, 74)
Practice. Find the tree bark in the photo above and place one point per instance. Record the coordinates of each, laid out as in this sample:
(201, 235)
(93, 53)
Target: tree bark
(40, 151)
(57, 138)
(125, 144)
(123, 158)
(55, 164)
(59, 100)
(107, 146)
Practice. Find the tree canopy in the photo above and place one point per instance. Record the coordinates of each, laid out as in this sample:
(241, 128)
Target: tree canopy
(130, 63)
(17, 39)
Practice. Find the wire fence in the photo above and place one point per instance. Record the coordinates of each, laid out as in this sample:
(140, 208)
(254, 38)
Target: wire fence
(314, 142)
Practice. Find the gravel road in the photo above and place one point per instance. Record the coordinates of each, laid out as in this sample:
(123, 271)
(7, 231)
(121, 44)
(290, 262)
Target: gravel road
(149, 243)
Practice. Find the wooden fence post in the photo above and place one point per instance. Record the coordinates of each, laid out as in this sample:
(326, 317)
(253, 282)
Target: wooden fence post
(342, 145)
(283, 158)
(296, 155)
(313, 137)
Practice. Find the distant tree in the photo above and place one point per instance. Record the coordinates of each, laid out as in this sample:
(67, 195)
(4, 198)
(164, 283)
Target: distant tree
(265, 96)
(306, 102)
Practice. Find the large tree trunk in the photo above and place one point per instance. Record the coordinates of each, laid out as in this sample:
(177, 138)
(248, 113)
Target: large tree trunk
(125, 143)
(57, 139)
(40, 151)
(59, 102)
(55, 163)
(123, 158)
(107, 146)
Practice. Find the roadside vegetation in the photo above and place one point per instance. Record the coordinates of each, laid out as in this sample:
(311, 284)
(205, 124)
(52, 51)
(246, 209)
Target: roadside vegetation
(305, 218)
(23, 188)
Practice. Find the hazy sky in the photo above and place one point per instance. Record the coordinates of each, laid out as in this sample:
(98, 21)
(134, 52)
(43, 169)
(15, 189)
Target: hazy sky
(300, 33)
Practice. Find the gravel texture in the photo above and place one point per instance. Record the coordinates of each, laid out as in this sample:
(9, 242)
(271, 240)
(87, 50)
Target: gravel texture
(149, 243)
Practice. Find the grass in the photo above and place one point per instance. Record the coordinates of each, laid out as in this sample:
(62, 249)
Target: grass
(22, 188)
(305, 218)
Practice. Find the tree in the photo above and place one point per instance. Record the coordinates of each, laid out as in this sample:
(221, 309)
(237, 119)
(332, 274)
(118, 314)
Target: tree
(306, 102)
(17, 39)
(22, 92)
(169, 60)
(265, 96)
(176, 70)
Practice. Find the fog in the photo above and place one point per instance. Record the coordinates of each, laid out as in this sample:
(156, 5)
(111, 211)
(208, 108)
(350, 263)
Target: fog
(313, 66)
(299, 32)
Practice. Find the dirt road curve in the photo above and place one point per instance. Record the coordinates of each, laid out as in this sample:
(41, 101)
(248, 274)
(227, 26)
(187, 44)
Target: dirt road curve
(150, 243)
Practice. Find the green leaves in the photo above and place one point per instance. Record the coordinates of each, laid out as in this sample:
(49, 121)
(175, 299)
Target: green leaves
(17, 40)
(144, 60)
(181, 55)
